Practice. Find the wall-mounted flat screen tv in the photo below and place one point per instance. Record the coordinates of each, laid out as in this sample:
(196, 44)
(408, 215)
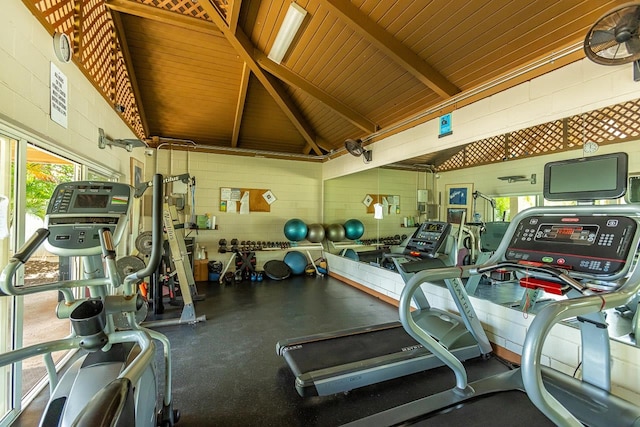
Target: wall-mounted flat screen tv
(586, 178)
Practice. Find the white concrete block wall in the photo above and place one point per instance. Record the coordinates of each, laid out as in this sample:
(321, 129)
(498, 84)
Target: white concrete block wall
(297, 186)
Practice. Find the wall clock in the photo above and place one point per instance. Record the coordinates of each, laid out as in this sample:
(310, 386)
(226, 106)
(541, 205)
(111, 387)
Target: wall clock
(590, 147)
(62, 47)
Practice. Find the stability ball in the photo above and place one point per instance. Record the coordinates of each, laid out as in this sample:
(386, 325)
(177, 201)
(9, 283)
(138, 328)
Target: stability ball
(315, 234)
(296, 261)
(295, 230)
(353, 229)
(335, 232)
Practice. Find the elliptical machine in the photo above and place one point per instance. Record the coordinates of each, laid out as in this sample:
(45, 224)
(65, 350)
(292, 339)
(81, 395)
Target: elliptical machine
(115, 382)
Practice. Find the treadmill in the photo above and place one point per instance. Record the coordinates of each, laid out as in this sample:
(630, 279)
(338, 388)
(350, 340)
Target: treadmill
(588, 253)
(336, 362)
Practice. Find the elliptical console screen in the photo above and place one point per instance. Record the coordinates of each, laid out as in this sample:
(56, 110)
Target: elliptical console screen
(590, 244)
(91, 201)
(78, 211)
(428, 238)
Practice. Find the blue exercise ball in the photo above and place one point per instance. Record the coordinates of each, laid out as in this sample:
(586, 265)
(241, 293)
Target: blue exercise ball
(296, 261)
(353, 229)
(295, 230)
(335, 232)
(315, 233)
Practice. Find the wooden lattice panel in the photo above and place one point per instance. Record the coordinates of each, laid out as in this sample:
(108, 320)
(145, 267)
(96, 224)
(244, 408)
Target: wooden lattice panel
(606, 125)
(57, 13)
(185, 7)
(97, 53)
(97, 45)
(455, 162)
(536, 140)
(488, 150)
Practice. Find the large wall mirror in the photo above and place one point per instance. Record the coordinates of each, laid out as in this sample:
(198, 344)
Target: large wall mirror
(513, 185)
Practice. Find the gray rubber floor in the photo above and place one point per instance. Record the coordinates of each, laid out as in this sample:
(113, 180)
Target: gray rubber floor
(227, 373)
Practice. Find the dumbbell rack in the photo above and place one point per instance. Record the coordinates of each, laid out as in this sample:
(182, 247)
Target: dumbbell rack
(292, 246)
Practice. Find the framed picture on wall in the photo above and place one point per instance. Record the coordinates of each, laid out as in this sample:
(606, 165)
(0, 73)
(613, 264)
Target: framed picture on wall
(137, 172)
(454, 215)
(459, 200)
(459, 194)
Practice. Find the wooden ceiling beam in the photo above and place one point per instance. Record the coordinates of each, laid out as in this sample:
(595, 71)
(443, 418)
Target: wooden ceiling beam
(233, 14)
(294, 80)
(243, 46)
(242, 96)
(164, 16)
(124, 48)
(391, 47)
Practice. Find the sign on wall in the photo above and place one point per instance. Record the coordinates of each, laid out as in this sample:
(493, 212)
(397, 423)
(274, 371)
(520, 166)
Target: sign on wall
(445, 126)
(58, 96)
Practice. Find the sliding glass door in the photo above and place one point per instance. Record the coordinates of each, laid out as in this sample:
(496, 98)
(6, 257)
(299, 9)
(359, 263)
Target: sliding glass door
(28, 176)
(9, 225)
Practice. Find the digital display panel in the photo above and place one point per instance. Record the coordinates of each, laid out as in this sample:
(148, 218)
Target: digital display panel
(567, 233)
(84, 201)
(432, 227)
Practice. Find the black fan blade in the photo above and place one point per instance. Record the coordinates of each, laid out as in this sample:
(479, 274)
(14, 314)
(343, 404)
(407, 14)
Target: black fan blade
(633, 46)
(599, 37)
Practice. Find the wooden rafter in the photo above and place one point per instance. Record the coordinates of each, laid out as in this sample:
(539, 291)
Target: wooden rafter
(294, 80)
(164, 16)
(233, 14)
(242, 96)
(394, 49)
(124, 48)
(77, 29)
(243, 46)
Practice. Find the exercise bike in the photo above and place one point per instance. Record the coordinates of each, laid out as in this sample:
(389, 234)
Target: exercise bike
(115, 382)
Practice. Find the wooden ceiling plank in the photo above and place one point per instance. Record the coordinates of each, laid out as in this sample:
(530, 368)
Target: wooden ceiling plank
(242, 97)
(164, 16)
(245, 48)
(126, 54)
(393, 48)
(294, 80)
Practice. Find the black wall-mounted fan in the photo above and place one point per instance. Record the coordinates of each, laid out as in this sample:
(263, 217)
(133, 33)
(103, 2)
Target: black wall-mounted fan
(615, 38)
(354, 146)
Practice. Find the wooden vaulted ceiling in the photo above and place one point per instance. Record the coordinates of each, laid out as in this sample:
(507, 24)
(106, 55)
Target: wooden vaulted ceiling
(196, 71)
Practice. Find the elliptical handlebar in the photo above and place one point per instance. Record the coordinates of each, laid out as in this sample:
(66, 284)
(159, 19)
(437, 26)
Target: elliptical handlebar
(156, 233)
(31, 245)
(7, 275)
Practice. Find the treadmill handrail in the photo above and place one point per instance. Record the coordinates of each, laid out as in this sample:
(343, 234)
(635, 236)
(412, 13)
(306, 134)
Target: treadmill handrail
(554, 313)
(412, 328)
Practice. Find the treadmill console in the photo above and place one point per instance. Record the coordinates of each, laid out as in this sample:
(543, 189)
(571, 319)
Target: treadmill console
(592, 245)
(428, 239)
(77, 212)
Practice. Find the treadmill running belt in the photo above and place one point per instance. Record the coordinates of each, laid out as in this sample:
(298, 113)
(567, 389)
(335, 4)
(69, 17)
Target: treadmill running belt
(509, 408)
(345, 349)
